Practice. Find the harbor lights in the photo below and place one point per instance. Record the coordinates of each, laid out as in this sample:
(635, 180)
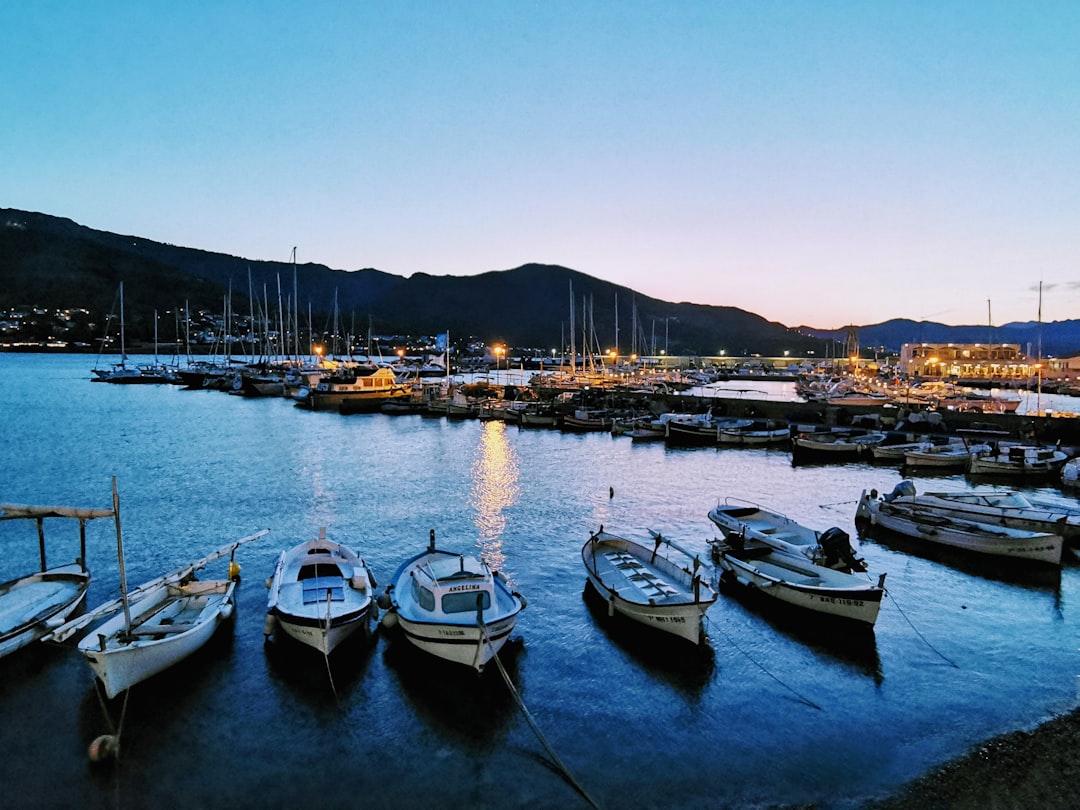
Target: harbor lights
(318, 350)
(499, 352)
(932, 362)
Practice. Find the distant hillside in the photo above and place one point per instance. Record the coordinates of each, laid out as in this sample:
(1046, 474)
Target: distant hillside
(1059, 338)
(55, 263)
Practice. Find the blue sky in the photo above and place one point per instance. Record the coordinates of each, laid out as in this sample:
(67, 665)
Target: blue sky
(818, 163)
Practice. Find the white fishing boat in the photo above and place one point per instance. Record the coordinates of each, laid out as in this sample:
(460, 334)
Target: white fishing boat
(741, 520)
(35, 604)
(1017, 460)
(1070, 474)
(756, 432)
(838, 446)
(321, 593)
(1001, 507)
(792, 579)
(906, 518)
(452, 606)
(649, 587)
(158, 624)
(951, 456)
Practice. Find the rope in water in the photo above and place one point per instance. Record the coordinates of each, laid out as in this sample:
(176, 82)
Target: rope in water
(539, 734)
(801, 698)
(922, 638)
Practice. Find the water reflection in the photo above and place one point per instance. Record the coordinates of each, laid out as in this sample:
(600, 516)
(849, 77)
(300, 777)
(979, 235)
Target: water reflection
(476, 710)
(495, 489)
(689, 667)
(846, 642)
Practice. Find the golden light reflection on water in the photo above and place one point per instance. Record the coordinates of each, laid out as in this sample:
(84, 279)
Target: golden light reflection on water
(495, 488)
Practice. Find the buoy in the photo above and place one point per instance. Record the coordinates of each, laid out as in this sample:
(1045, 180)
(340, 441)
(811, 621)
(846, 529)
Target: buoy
(269, 626)
(234, 570)
(383, 600)
(611, 492)
(389, 619)
(107, 746)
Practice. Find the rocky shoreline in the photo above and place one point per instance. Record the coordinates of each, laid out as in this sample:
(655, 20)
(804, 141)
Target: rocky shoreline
(1021, 769)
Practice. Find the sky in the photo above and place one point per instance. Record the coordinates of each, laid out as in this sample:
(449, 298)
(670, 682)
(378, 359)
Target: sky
(817, 163)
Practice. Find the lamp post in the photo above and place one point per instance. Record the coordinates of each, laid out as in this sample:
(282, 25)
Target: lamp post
(499, 352)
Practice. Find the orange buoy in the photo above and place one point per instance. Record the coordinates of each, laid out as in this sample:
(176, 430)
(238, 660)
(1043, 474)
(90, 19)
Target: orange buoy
(107, 746)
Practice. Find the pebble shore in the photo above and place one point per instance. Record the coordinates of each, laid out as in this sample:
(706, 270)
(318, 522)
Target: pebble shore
(1022, 769)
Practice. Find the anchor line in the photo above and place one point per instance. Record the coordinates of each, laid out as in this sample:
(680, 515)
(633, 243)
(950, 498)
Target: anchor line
(922, 638)
(801, 698)
(536, 728)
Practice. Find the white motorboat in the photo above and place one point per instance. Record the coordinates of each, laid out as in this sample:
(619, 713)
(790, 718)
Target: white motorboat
(35, 604)
(1017, 460)
(794, 580)
(648, 587)
(321, 593)
(741, 520)
(1001, 507)
(452, 606)
(158, 624)
(904, 517)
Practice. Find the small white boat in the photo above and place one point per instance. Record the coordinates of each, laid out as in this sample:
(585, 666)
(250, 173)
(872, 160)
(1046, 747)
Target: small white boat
(835, 446)
(452, 606)
(796, 581)
(1017, 459)
(756, 433)
(649, 587)
(159, 624)
(320, 594)
(35, 604)
(951, 456)
(1001, 507)
(904, 517)
(742, 520)
(1070, 474)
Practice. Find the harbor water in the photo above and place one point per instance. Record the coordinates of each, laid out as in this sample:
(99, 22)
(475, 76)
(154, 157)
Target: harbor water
(773, 711)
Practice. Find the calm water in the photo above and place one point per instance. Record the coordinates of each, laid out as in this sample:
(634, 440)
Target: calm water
(772, 713)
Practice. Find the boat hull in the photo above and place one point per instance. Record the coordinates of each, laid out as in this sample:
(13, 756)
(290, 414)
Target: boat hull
(646, 587)
(463, 635)
(973, 536)
(33, 605)
(171, 622)
(321, 593)
(795, 582)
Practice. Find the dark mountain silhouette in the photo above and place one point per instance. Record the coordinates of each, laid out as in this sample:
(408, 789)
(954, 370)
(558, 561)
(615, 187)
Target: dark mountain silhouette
(55, 263)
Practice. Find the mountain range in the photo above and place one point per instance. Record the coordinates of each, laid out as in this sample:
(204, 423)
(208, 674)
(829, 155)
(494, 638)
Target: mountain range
(54, 263)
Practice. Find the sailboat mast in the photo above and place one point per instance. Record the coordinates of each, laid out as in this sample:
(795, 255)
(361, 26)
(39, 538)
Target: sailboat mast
(123, 348)
(573, 327)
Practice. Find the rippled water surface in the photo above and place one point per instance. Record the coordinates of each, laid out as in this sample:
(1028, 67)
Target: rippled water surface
(772, 712)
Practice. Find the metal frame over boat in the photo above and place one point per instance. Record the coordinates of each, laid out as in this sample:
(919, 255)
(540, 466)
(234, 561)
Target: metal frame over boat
(452, 606)
(321, 593)
(907, 518)
(648, 587)
(1022, 460)
(33, 605)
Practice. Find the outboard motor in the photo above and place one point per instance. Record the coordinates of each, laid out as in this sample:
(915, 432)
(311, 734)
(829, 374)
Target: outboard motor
(836, 546)
(903, 488)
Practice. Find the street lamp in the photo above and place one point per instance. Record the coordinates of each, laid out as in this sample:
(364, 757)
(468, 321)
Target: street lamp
(499, 352)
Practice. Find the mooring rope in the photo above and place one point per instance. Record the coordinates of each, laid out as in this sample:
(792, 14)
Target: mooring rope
(536, 729)
(943, 657)
(801, 698)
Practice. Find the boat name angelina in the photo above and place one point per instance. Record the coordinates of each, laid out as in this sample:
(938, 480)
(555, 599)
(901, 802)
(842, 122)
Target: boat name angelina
(464, 588)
